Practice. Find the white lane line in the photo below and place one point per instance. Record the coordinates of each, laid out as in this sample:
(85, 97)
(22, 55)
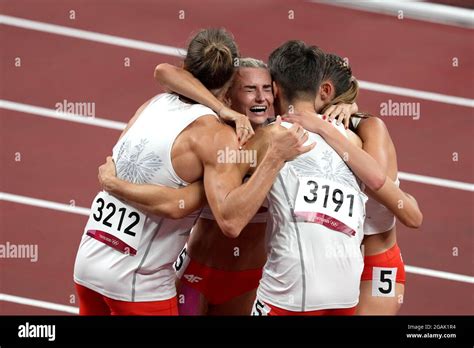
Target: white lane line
(91, 36)
(40, 111)
(172, 51)
(84, 211)
(408, 92)
(37, 303)
(430, 180)
(43, 204)
(419, 10)
(439, 274)
(100, 122)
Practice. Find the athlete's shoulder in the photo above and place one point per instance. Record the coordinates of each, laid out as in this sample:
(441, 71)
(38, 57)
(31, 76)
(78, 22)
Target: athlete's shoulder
(373, 124)
(210, 134)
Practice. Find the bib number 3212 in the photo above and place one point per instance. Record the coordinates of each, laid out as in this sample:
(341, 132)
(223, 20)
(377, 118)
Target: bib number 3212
(329, 203)
(115, 224)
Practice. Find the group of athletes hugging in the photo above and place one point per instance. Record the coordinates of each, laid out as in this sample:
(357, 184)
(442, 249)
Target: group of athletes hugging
(306, 228)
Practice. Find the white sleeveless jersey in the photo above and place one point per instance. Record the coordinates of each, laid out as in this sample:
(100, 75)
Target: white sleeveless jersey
(379, 219)
(314, 233)
(126, 254)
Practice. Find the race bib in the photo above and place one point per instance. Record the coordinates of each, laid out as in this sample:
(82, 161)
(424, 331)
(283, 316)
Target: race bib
(383, 281)
(181, 262)
(260, 308)
(115, 224)
(329, 203)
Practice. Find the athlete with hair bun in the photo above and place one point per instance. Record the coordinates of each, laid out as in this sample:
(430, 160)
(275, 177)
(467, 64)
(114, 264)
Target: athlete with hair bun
(124, 265)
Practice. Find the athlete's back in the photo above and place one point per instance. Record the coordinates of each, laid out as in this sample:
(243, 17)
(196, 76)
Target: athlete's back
(317, 211)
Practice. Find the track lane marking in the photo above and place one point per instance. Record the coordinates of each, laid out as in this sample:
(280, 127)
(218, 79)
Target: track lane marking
(45, 112)
(413, 9)
(434, 273)
(91, 36)
(180, 52)
(431, 180)
(42, 203)
(38, 303)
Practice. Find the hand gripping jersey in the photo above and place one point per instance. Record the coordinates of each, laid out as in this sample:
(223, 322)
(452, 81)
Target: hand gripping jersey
(126, 254)
(314, 232)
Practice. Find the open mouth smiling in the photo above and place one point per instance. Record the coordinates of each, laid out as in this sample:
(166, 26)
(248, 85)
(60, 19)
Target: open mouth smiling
(258, 110)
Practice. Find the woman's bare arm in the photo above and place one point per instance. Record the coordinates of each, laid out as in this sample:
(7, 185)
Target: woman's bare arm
(378, 143)
(183, 82)
(366, 168)
(155, 199)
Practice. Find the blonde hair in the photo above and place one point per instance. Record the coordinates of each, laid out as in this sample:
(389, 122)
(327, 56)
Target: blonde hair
(252, 63)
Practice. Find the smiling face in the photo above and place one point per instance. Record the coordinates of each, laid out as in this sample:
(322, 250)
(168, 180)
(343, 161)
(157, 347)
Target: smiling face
(251, 94)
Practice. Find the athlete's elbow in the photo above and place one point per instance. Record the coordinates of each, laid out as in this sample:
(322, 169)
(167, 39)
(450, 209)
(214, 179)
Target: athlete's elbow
(168, 211)
(176, 214)
(160, 71)
(376, 181)
(415, 221)
(229, 229)
(412, 219)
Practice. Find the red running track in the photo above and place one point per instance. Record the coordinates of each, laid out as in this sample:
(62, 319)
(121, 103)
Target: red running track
(59, 159)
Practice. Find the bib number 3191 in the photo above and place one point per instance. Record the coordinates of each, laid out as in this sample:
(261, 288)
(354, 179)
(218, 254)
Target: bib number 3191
(329, 203)
(115, 224)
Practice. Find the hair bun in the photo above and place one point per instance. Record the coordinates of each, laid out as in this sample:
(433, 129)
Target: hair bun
(210, 57)
(217, 50)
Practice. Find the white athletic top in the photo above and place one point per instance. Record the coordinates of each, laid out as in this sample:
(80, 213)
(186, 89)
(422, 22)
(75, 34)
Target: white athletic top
(137, 266)
(379, 219)
(314, 265)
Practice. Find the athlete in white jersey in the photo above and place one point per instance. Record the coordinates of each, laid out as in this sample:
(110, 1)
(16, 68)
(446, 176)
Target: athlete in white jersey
(317, 208)
(132, 277)
(317, 211)
(142, 157)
